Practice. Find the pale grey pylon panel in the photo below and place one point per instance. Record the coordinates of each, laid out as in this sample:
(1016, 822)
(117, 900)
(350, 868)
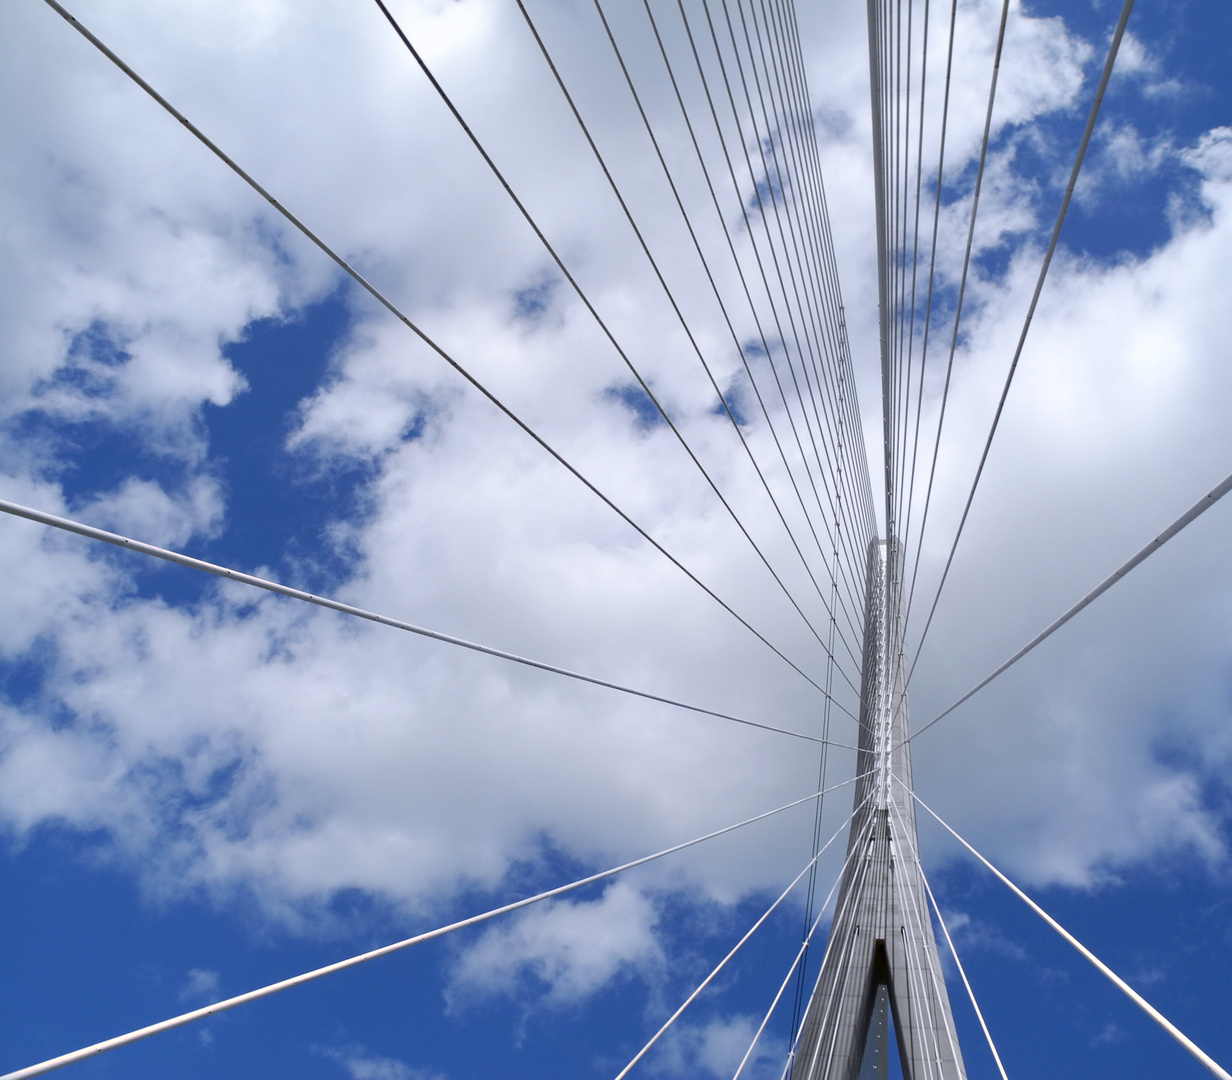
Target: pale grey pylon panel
(881, 935)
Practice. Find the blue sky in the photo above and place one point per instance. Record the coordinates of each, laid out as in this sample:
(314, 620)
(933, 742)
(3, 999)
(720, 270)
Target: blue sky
(203, 789)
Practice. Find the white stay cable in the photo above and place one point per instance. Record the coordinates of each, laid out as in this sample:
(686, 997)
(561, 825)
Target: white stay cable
(912, 907)
(803, 947)
(1116, 979)
(787, 979)
(1192, 514)
(860, 843)
(68, 525)
(958, 963)
(354, 961)
(1113, 48)
(722, 963)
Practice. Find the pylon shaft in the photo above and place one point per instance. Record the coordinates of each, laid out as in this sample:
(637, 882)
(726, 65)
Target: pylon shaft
(881, 941)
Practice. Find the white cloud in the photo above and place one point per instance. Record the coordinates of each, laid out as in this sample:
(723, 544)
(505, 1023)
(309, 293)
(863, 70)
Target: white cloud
(1122, 156)
(972, 934)
(1212, 156)
(142, 508)
(1136, 61)
(361, 1064)
(716, 1048)
(246, 744)
(1110, 1033)
(202, 985)
(1111, 431)
(563, 951)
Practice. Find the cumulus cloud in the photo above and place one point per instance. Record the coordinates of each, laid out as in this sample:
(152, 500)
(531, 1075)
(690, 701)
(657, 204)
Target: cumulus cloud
(239, 743)
(143, 508)
(564, 951)
(1109, 435)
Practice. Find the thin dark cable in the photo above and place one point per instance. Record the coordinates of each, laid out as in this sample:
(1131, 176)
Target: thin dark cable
(826, 257)
(798, 1003)
(599, 321)
(928, 311)
(823, 757)
(777, 143)
(876, 97)
(767, 348)
(833, 570)
(790, 109)
(928, 303)
(774, 198)
(902, 77)
(906, 485)
(902, 134)
(783, 111)
(962, 286)
(910, 236)
(812, 219)
(756, 194)
(901, 74)
(129, 544)
(819, 345)
(683, 323)
(769, 352)
(848, 575)
(887, 118)
(1026, 326)
(389, 306)
(902, 127)
(821, 250)
(834, 428)
(887, 195)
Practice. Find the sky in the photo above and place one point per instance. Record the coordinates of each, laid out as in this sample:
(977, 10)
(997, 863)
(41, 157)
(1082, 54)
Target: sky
(204, 789)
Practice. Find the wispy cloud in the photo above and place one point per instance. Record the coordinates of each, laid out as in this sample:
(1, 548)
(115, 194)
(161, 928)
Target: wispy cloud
(361, 1064)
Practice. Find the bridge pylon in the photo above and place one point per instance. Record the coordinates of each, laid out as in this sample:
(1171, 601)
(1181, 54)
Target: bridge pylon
(881, 961)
